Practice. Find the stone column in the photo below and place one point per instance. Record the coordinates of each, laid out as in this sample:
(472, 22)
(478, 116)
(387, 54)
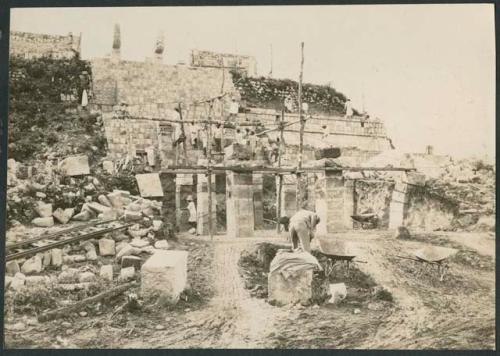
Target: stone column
(398, 204)
(178, 211)
(311, 191)
(180, 195)
(258, 207)
(240, 211)
(168, 201)
(320, 204)
(334, 203)
(202, 205)
(220, 193)
(288, 195)
(349, 203)
(400, 197)
(334, 184)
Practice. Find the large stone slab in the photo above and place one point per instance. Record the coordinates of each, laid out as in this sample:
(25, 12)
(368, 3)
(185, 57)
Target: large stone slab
(165, 275)
(149, 185)
(294, 289)
(75, 166)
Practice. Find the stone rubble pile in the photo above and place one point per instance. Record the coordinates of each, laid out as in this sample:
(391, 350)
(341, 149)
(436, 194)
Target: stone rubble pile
(65, 193)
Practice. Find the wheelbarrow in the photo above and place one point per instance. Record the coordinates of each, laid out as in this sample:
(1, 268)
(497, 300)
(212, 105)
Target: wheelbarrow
(367, 221)
(433, 256)
(337, 252)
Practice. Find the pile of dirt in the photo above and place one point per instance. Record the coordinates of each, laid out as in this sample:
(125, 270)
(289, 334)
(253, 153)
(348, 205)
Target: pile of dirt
(361, 288)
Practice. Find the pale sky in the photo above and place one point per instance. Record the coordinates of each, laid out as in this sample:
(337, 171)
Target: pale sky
(428, 71)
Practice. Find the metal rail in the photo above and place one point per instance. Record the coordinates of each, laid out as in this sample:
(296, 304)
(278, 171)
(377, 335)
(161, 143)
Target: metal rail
(56, 234)
(83, 237)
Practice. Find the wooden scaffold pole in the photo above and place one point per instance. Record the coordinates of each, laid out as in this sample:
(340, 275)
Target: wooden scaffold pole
(301, 133)
(209, 169)
(183, 133)
(280, 176)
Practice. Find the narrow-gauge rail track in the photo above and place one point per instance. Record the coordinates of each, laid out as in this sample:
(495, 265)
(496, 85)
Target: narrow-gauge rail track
(82, 236)
(56, 234)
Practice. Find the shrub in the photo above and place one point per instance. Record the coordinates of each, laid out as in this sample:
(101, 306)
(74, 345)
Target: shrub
(270, 93)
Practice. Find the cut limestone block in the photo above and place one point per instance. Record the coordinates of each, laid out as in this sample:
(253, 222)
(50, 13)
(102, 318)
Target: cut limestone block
(46, 258)
(128, 251)
(108, 215)
(17, 283)
(157, 224)
(11, 268)
(107, 247)
(108, 167)
(132, 216)
(126, 273)
(8, 281)
(149, 185)
(104, 200)
(43, 222)
(106, 272)
(44, 209)
(98, 208)
(85, 215)
(57, 257)
(161, 245)
(165, 274)
(116, 200)
(294, 289)
(63, 216)
(75, 166)
(32, 265)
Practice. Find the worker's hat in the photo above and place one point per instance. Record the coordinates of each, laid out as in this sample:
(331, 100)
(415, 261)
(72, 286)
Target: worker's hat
(189, 198)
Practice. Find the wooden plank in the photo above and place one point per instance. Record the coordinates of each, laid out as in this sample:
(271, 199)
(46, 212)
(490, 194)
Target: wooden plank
(64, 311)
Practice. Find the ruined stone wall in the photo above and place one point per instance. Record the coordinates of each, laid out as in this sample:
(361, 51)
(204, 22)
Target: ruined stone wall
(34, 45)
(150, 88)
(213, 59)
(427, 211)
(423, 210)
(346, 133)
(374, 197)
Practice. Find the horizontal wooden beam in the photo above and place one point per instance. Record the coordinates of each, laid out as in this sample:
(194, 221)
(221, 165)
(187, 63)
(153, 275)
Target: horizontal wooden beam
(280, 170)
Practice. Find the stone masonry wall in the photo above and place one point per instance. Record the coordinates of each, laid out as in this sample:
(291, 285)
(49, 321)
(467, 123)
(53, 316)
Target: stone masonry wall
(34, 45)
(150, 88)
(213, 59)
(347, 133)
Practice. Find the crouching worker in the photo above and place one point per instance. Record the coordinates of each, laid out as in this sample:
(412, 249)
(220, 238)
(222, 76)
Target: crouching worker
(302, 226)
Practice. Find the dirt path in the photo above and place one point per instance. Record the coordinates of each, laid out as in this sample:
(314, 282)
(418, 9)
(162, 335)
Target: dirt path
(457, 313)
(232, 319)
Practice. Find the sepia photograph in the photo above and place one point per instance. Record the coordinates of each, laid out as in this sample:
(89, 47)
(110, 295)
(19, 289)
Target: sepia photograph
(251, 177)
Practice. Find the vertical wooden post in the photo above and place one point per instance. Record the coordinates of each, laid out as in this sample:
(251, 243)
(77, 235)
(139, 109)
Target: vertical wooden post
(280, 179)
(209, 169)
(301, 134)
(183, 133)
